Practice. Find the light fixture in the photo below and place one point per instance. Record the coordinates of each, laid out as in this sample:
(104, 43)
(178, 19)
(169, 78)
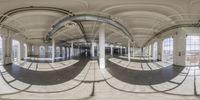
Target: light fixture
(69, 24)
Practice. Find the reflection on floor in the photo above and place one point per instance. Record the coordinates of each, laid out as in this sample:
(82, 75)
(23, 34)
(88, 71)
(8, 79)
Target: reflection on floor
(82, 79)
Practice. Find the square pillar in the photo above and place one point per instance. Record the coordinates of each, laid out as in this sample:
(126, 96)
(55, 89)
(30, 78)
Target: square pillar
(111, 50)
(102, 46)
(7, 49)
(121, 50)
(92, 49)
(179, 48)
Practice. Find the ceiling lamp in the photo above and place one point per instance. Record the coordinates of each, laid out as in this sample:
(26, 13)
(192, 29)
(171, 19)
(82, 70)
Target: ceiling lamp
(69, 24)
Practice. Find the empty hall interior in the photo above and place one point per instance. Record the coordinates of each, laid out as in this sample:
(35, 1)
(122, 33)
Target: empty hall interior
(99, 49)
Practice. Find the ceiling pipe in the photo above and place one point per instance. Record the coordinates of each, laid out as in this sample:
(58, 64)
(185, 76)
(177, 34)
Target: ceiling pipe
(88, 17)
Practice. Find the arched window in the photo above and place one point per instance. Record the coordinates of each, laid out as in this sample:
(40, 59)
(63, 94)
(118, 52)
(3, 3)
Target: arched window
(193, 50)
(168, 50)
(155, 50)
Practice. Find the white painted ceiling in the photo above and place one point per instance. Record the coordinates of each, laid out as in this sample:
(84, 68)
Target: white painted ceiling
(143, 18)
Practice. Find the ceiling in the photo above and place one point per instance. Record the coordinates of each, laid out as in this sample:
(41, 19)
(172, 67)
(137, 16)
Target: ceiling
(143, 18)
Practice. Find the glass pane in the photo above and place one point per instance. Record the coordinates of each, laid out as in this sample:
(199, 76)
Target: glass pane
(192, 50)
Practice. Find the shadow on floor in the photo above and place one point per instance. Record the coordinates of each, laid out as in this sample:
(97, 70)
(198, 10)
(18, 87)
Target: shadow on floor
(46, 77)
(143, 77)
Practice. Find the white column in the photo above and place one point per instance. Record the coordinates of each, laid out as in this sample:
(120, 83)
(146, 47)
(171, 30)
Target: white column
(179, 48)
(102, 46)
(129, 53)
(111, 50)
(67, 52)
(92, 49)
(7, 49)
(72, 49)
(53, 50)
(121, 48)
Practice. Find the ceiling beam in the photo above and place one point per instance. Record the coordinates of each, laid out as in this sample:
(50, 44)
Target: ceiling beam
(171, 28)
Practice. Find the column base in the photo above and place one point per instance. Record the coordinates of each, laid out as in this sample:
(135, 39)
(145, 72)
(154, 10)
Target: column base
(102, 63)
(7, 60)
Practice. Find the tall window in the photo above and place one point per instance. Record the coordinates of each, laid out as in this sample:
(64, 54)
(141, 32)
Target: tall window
(168, 50)
(63, 52)
(1, 51)
(33, 51)
(57, 51)
(49, 51)
(25, 50)
(42, 51)
(149, 48)
(15, 50)
(145, 51)
(193, 50)
(155, 50)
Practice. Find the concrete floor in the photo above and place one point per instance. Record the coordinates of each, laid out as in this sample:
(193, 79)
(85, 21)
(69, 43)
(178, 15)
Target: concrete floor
(140, 79)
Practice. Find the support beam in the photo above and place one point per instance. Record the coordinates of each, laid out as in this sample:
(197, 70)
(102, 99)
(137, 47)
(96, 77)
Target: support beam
(102, 46)
(89, 17)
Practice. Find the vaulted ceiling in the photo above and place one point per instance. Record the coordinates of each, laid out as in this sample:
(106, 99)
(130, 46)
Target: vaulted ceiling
(143, 18)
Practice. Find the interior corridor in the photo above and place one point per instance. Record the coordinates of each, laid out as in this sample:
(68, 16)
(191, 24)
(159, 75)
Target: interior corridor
(99, 49)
